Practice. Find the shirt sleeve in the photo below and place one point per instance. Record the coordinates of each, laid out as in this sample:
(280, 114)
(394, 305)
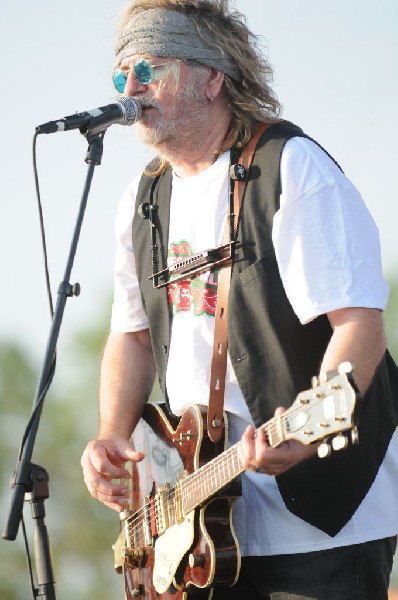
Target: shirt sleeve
(128, 313)
(326, 242)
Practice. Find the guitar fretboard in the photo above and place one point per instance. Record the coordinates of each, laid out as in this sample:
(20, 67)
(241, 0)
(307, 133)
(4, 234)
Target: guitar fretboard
(219, 472)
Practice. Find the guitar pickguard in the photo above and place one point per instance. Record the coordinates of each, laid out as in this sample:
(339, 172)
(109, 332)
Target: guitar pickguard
(170, 549)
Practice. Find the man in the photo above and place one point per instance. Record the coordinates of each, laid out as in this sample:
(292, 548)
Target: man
(306, 293)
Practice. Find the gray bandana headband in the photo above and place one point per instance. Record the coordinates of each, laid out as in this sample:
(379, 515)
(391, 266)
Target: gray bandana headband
(170, 34)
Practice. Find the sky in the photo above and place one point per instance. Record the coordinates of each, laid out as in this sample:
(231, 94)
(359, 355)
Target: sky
(335, 72)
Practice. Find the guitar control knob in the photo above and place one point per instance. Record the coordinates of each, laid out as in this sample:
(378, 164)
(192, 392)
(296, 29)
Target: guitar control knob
(127, 558)
(133, 558)
(196, 560)
(138, 591)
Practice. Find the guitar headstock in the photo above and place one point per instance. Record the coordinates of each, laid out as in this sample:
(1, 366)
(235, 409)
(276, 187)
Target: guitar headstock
(324, 411)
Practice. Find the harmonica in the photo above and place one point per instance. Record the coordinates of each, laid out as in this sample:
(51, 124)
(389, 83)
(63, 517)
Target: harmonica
(187, 268)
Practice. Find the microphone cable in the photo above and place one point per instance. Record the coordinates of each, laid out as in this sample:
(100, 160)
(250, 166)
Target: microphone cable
(39, 402)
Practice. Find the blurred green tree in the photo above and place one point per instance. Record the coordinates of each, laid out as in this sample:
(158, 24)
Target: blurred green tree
(391, 317)
(81, 530)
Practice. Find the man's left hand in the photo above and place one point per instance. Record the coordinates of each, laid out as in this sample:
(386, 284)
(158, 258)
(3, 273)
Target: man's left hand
(255, 453)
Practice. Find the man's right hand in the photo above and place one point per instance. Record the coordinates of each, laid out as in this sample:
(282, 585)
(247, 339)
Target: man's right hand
(102, 462)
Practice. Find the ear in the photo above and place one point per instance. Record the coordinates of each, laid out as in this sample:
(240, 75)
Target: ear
(214, 85)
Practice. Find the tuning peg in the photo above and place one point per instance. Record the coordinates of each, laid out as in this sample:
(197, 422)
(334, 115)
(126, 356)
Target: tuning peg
(339, 442)
(314, 382)
(345, 367)
(324, 450)
(355, 436)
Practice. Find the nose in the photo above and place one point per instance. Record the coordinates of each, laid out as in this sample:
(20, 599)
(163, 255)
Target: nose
(133, 86)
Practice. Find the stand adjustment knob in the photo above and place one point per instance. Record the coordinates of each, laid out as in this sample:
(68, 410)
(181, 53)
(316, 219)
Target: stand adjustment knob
(138, 591)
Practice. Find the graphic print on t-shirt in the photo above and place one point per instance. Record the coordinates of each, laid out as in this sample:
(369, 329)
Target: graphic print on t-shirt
(199, 294)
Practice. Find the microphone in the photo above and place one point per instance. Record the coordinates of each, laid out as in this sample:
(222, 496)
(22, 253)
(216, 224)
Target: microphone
(125, 111)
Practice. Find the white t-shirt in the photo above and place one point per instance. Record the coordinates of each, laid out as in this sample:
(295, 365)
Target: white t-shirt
(327, 248)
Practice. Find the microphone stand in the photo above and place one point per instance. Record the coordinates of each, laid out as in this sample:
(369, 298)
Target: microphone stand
(30, 480)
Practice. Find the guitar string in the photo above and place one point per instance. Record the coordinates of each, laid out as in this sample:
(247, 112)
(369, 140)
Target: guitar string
(196, 480)
(190, 484)
(189, 481)
(136, 522)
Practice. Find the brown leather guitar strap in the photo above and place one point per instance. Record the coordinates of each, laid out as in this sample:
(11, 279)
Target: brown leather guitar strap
(220, 344)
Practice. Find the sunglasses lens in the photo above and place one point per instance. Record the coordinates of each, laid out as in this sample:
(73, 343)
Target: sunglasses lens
(119, 80)
(143, 71)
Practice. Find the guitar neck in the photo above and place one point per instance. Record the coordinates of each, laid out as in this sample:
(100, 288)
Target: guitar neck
(315, 414)
(219, 472)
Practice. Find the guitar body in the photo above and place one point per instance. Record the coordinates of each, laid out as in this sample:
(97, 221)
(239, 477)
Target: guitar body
(176, 540)
(189, 554)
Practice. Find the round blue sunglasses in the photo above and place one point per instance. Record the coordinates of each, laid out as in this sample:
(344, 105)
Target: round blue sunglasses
(144, 73)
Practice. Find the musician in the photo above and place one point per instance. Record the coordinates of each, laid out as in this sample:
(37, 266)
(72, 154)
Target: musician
(306, 293)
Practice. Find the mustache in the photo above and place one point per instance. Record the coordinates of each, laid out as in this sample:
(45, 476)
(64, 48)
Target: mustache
(147, 102)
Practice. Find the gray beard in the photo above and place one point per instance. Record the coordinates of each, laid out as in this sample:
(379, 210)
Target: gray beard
(179, 132)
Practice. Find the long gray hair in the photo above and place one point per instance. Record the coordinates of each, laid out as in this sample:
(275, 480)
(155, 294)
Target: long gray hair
(250, 99)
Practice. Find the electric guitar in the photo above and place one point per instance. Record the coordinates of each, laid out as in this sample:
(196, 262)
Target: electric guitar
(177, 539)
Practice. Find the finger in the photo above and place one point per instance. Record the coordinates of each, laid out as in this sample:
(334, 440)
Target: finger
(117, 503)
(109, 459)
(279, 411)
(95, 461)
(260, 446)
(115, 496)
(134, 455)
(98, 484)
(106, 488)
(246, 448)
(118, 507)
(101, 486)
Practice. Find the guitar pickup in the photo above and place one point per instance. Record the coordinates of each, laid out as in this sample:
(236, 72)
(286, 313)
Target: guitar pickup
(147, 522)
(162, 508)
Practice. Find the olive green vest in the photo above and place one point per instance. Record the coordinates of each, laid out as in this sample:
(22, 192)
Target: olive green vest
(273, 355)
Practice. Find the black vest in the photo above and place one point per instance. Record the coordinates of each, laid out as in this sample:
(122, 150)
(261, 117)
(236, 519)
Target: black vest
(273, 355)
